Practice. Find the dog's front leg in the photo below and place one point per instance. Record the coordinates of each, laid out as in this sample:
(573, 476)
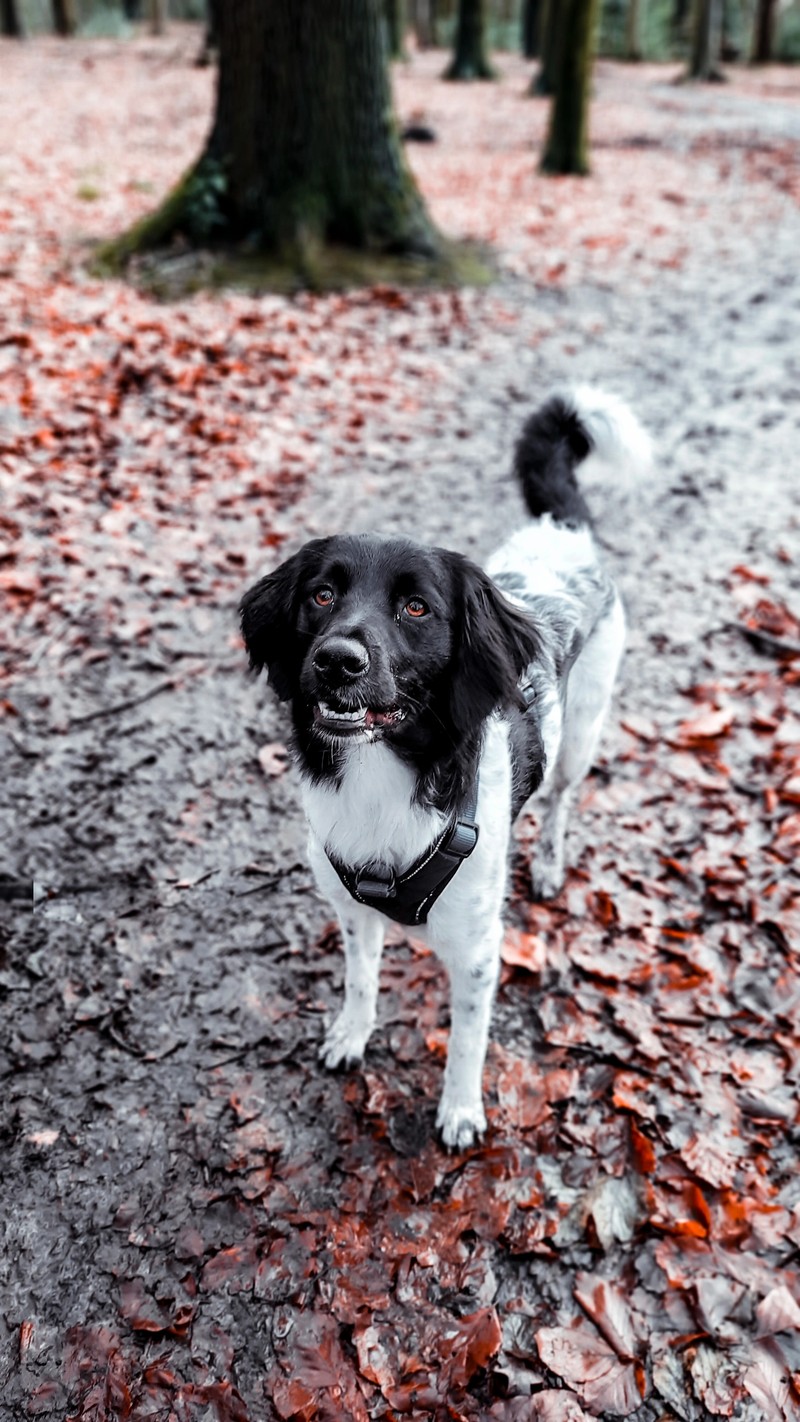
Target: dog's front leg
(473, 974)
(362, 933)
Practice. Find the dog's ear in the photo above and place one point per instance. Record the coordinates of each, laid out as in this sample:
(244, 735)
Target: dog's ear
(268, 613)
(495, 642)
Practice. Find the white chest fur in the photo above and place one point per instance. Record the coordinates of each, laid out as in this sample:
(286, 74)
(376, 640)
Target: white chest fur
(370, 817)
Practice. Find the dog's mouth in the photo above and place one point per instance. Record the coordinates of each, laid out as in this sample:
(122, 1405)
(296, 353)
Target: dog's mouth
(354, 720)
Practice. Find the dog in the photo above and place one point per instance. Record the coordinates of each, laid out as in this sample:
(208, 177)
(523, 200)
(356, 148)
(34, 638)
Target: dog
(430, 699)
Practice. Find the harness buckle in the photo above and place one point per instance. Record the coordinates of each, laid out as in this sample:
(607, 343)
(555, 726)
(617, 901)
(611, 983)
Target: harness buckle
(373, 888)
(462, 840)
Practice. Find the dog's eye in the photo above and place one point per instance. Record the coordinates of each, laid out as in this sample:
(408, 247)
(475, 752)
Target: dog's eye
(415, 607)
(323, 597)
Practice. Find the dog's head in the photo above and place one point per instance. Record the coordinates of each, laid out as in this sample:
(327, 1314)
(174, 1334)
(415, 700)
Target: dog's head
(382, 638)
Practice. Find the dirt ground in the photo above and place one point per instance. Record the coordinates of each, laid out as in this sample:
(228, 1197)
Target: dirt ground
(198, 1223)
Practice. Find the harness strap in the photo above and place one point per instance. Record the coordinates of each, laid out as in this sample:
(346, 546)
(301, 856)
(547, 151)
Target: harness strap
(408, 897)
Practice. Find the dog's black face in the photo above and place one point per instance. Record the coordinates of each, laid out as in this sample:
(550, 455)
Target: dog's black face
(381, 638)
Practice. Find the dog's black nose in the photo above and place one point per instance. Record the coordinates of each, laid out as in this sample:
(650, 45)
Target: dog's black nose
(341, 659)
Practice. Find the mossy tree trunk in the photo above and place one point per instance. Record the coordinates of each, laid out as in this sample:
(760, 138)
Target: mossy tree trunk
(303, 149)
(470, 60)
(11, 20)
(566, 148)
(531, 14)
(64, 17)
(763, 31)
(633, 31)
(395, 13)
(544, 80)
(158, 17)
(706, 37)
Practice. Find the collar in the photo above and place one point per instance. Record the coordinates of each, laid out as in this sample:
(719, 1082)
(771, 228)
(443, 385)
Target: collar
(408, 897)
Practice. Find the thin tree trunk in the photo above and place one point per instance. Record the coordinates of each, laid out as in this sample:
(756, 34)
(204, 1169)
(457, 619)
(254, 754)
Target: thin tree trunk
(11, 20)
(158, 17)
(395, 12)
(531, 15)
(470, 60)
(424, 22)
(550, 30)
(633, 31)
(566, 149)
(706, 37)
(764, 31)
(64, 17)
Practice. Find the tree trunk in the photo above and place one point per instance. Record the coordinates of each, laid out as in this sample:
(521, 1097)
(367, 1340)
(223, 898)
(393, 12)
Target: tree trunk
(303, 149)
(531, 15)
(633, 31)
(11, 20)
(158, 17)
(566, 149)
(706, 36)
(470, 60)
(424, 21)
(763, 31)
(64, 17)
(395, 13)
(550, 29)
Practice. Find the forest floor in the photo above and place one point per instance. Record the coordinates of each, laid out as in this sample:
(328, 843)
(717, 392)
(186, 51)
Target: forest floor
(197, 1221)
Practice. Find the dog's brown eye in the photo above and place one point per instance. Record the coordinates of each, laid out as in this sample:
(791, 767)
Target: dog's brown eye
(323, 597)
(415, 607)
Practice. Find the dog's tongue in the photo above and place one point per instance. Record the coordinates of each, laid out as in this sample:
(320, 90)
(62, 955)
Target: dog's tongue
(380, 718)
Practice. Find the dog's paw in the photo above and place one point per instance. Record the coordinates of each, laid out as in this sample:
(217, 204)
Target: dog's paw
(547, 879)
(344, 1044)
(460, 1125)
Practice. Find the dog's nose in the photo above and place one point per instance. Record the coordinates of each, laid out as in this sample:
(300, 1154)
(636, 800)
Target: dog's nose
(342, 658)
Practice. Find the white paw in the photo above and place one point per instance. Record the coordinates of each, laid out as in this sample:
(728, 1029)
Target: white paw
(459, 1124)
(547, 879)
(344, 1043)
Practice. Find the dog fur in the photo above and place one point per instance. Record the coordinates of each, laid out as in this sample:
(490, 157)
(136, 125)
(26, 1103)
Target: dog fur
(404, 666)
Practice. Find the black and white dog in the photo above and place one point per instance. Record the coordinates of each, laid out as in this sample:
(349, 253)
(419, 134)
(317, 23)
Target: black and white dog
(429, 700)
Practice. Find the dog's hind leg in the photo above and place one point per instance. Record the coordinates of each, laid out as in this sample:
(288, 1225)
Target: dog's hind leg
(589, 692)
(346, 1039)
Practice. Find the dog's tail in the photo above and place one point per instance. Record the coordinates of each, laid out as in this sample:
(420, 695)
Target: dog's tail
(565, 431)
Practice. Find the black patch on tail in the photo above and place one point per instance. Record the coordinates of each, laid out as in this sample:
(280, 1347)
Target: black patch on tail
(552, 444)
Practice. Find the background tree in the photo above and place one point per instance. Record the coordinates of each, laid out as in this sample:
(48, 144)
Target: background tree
(395, 12)
(633, 30)
(470, 60)
(158, 16)
(303, 150)
(706, 36)
(424, 18)
(10, 20)
(64, 17)
(763, 31)
(550, 28)
(566, 149)
(531, 15)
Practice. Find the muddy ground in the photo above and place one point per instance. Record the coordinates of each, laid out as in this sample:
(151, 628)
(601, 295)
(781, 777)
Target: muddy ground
(197, 1222)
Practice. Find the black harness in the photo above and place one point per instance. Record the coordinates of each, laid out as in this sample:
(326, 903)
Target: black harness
(408, 897)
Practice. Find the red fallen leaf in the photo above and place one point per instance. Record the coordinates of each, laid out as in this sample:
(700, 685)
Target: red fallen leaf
(25, 1336)
(768, 1380)
(750, 575)
(478, 1339)
(292, 1399)
(273, 758)
(590, 1365)
(523, 950)
(139, 1309)
(603, 908)
(610, 1312)
(778, 1312)
(549, 1406)
(522, 1092)
(642, 1150)
(699, 730)
(235, 1267)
